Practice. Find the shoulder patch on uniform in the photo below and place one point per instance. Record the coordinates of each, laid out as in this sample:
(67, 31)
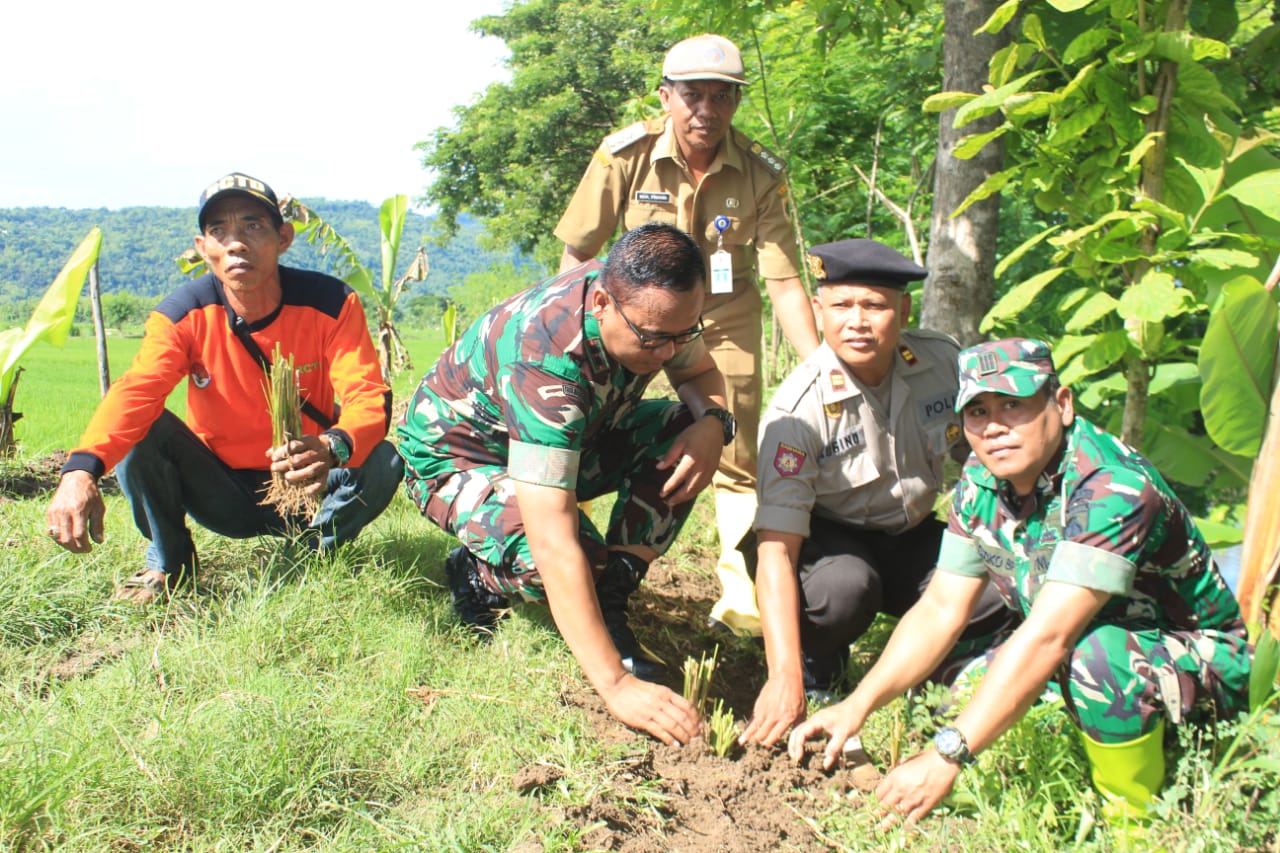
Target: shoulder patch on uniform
(771, 161)
(788, 460)
(907, 355)
(615, 142)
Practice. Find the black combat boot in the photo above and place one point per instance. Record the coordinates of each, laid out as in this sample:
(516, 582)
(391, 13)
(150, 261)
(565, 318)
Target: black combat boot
(474, 602)
(823, 673)
(621, 577)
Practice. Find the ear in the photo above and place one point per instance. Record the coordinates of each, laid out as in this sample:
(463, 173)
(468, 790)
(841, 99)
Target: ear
(1066, 403)
(904, 313)
(287, 234)
(199, 243)
(664, 95)
(599, 300)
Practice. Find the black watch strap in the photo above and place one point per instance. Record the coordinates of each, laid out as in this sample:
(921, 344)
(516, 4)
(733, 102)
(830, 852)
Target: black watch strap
(728, 423)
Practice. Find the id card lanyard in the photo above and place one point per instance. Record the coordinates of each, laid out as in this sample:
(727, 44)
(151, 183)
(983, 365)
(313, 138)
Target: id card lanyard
(721, 261)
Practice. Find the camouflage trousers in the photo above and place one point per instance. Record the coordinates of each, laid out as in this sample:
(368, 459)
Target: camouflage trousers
(1121, 679)
(478, 504)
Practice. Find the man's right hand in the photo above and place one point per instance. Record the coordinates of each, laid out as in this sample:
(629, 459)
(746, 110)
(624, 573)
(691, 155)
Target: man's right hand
(780, 705)
(653, 708)
(75, 515)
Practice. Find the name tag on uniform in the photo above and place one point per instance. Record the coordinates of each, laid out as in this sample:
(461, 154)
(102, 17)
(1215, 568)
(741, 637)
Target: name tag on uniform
(654, 198)
(721, 272)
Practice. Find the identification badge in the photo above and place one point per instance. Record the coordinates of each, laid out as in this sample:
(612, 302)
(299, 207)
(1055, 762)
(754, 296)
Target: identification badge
(721, 272)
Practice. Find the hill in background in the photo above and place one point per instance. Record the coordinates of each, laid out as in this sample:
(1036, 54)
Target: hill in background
(139, 245)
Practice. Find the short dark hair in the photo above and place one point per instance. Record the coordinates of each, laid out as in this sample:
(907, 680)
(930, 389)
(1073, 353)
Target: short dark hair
(653, 255)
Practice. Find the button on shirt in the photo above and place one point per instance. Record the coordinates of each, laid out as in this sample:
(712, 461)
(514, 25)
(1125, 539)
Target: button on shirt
(828, 447)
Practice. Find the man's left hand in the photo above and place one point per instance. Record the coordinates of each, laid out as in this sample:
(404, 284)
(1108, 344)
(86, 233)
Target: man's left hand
(915, 787)
(304, 462)
(695, 455)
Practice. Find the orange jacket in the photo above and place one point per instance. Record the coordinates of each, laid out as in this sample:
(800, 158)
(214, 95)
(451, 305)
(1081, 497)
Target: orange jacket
(190, 334)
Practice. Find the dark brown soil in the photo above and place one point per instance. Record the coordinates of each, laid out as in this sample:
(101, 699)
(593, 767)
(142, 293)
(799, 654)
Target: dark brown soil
(689, 799)
(21, 480)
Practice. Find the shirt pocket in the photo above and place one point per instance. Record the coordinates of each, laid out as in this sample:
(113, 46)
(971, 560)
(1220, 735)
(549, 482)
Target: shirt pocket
(642, 212)
(852, 469)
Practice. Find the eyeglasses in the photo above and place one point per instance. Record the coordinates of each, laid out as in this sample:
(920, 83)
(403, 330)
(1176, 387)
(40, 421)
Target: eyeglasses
(649, 340)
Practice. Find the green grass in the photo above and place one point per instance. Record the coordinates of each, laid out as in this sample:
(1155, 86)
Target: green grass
(298, 703)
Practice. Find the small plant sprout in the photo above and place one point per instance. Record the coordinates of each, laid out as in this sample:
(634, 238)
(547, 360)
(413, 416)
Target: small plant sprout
(697, 679)
(722, 730)
(286, 425)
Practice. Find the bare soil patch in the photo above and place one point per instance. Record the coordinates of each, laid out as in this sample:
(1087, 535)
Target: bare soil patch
(689, 799)
(37, 477)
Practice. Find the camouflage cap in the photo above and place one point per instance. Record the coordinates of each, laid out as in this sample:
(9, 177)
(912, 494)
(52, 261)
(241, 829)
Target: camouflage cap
(238, 183)
(705, 57)
(1018, 367)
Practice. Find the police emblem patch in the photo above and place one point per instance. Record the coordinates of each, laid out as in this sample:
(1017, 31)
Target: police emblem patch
(953, 433)
(833, 410)
(788, 460)
(816, 268)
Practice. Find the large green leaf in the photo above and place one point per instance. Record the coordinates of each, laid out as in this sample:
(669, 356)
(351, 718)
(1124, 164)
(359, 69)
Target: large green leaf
(391, 218)
(1098, 305)
(1237, 362)
(1266, 668)
(1019, 298)
(1261, 191)
(51, 319)
(1154, 299)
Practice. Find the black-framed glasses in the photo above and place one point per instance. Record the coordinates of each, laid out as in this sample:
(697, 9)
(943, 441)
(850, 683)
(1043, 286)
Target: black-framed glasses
(651, 340)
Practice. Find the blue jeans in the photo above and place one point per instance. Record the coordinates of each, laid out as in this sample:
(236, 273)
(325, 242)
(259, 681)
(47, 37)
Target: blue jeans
(171, 473)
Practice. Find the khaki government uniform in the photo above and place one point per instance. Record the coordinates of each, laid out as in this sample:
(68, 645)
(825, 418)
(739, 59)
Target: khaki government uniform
(829, 450)
(638, 175)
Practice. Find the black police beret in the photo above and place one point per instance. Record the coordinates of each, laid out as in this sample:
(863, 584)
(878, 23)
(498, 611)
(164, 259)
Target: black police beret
(861, 261)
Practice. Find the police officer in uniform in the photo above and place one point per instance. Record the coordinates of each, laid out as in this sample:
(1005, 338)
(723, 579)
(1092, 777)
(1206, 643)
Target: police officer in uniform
(850, 466)
(694, 170)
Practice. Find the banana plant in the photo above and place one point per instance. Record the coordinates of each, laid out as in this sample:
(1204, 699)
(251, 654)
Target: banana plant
(51, 321)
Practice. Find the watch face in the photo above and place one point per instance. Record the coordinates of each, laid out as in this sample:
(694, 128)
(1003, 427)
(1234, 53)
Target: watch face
(948, 742)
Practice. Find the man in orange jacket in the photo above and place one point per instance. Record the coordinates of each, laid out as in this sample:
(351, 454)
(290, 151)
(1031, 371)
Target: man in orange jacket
(214, 332)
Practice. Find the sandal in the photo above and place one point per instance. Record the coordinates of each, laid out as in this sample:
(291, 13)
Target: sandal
(145, 586)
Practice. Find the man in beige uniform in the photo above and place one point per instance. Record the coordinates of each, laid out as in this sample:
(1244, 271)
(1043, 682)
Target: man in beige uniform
(850, 466)
(694, 170)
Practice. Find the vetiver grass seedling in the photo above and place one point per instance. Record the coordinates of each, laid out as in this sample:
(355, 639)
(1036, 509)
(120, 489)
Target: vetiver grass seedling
(286, 425)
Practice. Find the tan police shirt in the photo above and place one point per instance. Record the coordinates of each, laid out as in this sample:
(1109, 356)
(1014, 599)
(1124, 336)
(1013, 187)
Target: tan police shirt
(638, 175)
(827, 447)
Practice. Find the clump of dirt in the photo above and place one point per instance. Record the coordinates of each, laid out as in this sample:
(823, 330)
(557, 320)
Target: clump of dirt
(689, 799)
(33, 478)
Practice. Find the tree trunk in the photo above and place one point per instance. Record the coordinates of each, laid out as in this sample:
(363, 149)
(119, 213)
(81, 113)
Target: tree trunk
(962, 251)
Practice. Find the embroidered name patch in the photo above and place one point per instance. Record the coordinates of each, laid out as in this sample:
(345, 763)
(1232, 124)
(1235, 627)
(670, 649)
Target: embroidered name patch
(788, 460)
(654, 198)
(839, 445)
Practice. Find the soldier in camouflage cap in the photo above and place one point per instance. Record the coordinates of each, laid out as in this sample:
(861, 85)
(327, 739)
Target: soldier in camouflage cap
(539, 405)
(1126, 616)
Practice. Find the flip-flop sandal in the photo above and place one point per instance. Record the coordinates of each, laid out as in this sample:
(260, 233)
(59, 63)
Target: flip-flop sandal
(143, 588)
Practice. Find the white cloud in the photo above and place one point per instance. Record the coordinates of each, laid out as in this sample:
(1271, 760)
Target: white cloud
(142, 102)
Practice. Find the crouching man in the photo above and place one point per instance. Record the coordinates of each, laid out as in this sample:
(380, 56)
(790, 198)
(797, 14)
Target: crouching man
(216, 333)
(1126, 614)
(539, 406)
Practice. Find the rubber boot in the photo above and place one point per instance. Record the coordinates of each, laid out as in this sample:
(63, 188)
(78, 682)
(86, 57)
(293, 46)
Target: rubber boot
(1128, 775)
(477, 606)
(621, 577)
(736, 608)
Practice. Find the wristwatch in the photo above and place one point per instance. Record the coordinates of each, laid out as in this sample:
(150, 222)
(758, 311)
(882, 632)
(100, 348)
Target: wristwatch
(728, 423)
(339, 450)
(951, 745)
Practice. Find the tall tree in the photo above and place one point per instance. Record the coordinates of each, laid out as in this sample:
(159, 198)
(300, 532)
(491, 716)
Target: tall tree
(578, 71)
(962, 245)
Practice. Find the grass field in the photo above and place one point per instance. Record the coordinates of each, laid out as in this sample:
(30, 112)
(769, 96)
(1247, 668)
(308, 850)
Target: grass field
(289, 702)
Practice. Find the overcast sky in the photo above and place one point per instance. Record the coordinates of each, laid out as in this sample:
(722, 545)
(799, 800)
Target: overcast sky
(145, 102)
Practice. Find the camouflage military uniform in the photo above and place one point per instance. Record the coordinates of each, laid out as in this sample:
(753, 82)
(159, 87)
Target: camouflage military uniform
(1169, 641)
(528, 393)
(638, 175)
